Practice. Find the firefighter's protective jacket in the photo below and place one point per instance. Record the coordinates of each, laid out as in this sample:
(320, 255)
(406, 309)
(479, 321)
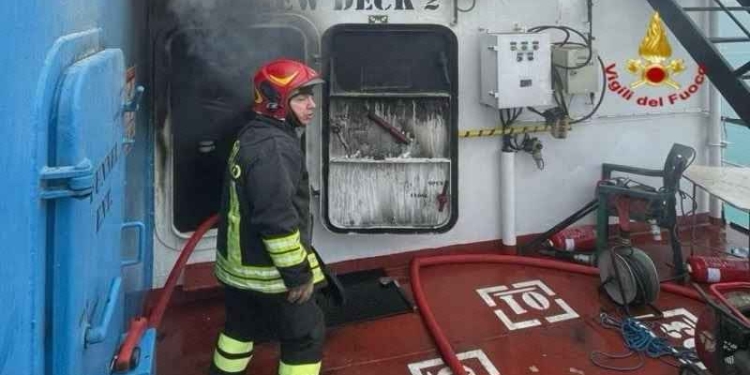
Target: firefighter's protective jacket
(265, 226)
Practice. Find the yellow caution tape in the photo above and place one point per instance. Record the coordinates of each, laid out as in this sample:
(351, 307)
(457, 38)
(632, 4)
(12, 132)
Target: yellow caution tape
(489, 132)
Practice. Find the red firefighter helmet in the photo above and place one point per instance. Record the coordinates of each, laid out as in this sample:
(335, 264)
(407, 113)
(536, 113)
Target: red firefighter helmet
(278, 81)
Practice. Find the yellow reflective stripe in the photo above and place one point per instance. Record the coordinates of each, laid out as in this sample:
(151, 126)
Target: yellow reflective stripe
(282, 244)
(260, 286)
(286, 251)
(306, 369)
(291, 258)
(230, 365)
(232, 346)
(262, 273)
(312, 259)
(261, 279)
(234, 251)
(317, 275)
(274, 286)
(315, 266)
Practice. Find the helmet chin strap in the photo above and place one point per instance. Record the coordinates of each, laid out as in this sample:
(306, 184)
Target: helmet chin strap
(291, 118)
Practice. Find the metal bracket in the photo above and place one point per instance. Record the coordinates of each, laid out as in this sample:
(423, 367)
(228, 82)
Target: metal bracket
(135, 101)
(74, 181)
(377, 19)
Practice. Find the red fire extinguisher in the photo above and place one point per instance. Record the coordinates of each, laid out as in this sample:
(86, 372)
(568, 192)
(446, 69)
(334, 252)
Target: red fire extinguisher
(705, 269)
(581, 238)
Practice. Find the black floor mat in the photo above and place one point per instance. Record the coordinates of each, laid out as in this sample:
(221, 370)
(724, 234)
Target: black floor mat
(367, 298)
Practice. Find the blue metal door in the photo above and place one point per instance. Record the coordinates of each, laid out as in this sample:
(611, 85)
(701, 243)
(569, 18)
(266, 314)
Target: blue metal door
(85, 230)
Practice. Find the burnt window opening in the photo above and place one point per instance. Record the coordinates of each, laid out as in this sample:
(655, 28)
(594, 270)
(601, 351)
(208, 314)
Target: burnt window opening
(399, 59)
(390, 152)
(210, 90)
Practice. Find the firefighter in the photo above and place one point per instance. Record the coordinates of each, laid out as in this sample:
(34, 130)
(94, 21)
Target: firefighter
(264, 256)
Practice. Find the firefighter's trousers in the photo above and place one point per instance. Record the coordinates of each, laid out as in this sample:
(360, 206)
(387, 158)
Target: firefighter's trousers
(300, 329)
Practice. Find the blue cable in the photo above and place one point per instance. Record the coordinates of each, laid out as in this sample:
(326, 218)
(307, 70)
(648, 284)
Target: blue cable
(640, 339)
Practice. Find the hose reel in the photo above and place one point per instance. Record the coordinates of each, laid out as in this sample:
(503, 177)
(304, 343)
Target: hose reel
(628, 276)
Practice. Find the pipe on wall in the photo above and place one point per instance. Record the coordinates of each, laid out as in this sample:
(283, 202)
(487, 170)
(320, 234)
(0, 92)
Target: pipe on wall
(508, 197)
(714, 124)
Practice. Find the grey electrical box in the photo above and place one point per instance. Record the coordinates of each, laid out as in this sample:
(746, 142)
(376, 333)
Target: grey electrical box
(515, 70)
(583, 80)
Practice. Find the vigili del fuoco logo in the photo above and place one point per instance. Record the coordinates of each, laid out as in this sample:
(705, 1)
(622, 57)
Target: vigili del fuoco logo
(654, 68)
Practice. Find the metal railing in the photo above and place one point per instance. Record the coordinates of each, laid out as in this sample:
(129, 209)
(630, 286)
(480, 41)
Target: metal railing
(729, 163)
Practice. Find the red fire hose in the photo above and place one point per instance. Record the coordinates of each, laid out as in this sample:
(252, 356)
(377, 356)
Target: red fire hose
(125, 359)
(157, 313)
(446, 351)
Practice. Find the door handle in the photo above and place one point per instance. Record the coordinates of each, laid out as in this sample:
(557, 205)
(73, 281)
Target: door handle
(98, 333)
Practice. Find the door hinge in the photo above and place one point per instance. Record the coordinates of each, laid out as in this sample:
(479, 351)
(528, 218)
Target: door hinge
(67, 181)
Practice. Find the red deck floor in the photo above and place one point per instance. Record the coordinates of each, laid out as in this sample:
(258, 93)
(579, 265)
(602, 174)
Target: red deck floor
(391, 345)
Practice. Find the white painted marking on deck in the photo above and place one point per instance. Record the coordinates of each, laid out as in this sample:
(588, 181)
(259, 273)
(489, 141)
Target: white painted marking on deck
(486, 294)
(475, 363)
(534, 295)
(569, 313)
(514, 326)
(537, 283)
(680, 325)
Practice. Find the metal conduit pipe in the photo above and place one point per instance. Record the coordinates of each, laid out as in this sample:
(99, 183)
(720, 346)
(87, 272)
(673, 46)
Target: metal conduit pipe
(507, 172)
(508, 197)
(715, 143)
